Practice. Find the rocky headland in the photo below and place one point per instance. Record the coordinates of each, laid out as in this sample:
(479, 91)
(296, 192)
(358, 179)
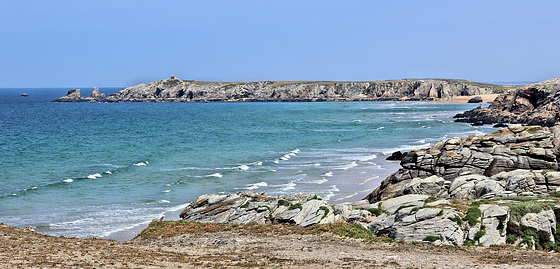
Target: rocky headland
(177, 90)
(535, 104)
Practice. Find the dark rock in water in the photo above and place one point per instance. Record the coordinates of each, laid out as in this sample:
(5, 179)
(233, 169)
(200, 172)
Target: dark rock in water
(396, 156)
(476, 99)
(73, 95)
(500, 125)
(535, 104)
(479, 123)
(456, 167)
(24, 95)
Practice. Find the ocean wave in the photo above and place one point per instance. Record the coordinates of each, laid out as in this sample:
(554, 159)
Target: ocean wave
(257, 185)
(94, 176)
(328, 174)
(142, 163)
(218, 175)
(68, 180)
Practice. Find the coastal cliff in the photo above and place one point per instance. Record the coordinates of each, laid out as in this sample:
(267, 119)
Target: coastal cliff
(177, 90)
(535, 104)
(73, 95)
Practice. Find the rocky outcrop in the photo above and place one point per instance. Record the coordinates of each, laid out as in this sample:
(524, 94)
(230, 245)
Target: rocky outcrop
(245, 207)
(535, 104)
(73, 95)
(502, 163)
(177, 90)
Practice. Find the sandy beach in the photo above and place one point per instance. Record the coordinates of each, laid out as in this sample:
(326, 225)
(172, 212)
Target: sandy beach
(486, 98)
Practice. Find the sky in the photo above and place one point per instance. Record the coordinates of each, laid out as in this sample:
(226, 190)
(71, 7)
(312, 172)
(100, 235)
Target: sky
(122, 43)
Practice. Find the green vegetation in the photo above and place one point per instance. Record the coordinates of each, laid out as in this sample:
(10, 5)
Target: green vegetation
(472, 216)
(403, 206)
(440, 213)
(267, 207)
(430, 199)
(171, 82)
(326, 211)
(545, 171)
(479, 235)
(415, 209)
(511, 238)
(519, 210)
(431, 238)
(245, 205)
(457, 219)
(295, 206)
(375, 211)
(283, 203)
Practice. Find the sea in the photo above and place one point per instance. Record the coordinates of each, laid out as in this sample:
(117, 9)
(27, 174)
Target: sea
(101, 169)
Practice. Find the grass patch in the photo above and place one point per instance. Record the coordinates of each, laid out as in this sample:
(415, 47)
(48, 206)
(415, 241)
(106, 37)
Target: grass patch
(325, 209)
(479, 235)
(431, 238)
(518, 210)
(430, 199)
(375, 211)
(245, 205)
(415, 209)
(479, 202)
(295, 206)
(403, 206)
(457, 219)
(283, 203)
(545, 171)
(472, 216)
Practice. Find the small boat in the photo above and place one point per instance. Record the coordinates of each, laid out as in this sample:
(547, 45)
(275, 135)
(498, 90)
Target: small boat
(24, 95)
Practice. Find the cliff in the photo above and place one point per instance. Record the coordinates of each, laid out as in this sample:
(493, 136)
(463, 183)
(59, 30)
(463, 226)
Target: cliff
(535, 104)
(176, 90)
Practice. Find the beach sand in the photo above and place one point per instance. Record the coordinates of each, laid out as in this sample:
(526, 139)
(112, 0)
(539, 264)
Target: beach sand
(486, 98)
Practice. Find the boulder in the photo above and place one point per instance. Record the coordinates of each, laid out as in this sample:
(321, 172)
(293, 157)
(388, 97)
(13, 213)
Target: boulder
(476, 99)
(244, 207)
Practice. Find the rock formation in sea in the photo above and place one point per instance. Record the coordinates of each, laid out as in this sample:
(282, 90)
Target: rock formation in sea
(177, 90)
(535, 104)
(73, 95)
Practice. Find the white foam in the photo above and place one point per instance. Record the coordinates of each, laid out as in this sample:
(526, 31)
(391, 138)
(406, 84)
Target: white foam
(295, 151)
(348, 166)
(218, 175)
(166, 191)
(316, 164)
(68, 180)
(109, 172)
(328, 174)
(243, 167)
(163, 202)
(356, 121)
(33, 188)
(257, 185)
(94, 176)
(140, 164)
(318, 181)
(288, 186)
(380, 128)
(276, 161)
(421, 141)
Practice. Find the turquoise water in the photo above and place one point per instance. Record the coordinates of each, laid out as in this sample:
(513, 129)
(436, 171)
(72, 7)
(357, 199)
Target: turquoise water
(93, 169)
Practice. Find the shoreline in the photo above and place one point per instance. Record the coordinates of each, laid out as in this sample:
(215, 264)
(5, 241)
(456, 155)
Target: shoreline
(486, 98)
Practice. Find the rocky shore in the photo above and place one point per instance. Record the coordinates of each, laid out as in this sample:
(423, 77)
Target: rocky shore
(478, 190)
(535, 104)
(177, 90)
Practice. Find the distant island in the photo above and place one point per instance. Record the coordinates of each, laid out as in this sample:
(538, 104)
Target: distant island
(177, 90)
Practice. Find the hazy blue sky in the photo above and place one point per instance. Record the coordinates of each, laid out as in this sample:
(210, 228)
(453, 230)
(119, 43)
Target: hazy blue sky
(122, 43)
